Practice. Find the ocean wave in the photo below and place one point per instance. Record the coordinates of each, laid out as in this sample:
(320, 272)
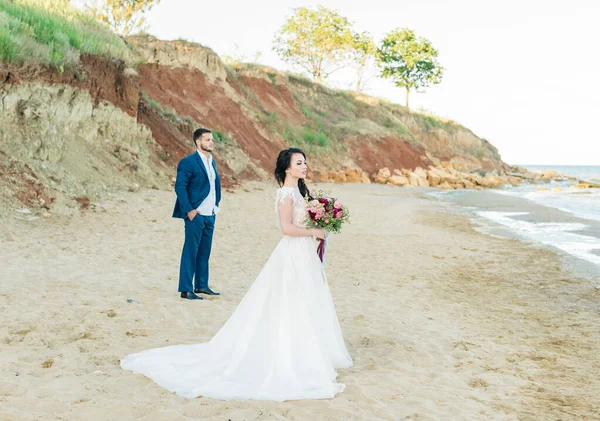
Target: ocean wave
(563, 236)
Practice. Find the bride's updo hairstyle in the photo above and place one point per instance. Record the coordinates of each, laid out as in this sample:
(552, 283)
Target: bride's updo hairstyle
(283, 163)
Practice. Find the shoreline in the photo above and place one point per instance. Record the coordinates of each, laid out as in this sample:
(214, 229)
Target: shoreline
(443, 322)
(532, 214)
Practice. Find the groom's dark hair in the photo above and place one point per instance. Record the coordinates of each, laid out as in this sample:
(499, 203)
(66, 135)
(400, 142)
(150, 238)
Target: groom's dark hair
(199, 132)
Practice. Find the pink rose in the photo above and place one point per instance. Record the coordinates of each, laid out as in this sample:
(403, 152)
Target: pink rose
(337, 205)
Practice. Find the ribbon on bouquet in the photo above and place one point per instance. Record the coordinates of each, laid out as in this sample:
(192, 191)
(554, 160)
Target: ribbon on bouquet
(321, 248)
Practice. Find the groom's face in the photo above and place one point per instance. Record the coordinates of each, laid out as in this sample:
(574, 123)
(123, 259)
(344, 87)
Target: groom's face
(206, 142)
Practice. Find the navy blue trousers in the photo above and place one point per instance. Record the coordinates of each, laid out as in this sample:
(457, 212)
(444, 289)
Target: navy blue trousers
(196, 252)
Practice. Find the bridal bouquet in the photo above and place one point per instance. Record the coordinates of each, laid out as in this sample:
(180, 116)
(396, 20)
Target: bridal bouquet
(324, 211)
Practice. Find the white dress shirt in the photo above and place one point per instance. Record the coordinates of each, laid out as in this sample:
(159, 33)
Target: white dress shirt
(209, 207)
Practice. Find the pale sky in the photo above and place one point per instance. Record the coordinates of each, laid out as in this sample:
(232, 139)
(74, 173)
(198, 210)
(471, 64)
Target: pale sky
(523, 74)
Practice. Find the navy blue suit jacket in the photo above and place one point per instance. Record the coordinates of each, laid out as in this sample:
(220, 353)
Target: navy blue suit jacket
(192, 185)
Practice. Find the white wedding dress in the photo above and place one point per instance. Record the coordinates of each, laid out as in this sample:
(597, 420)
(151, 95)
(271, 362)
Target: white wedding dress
(282, 342)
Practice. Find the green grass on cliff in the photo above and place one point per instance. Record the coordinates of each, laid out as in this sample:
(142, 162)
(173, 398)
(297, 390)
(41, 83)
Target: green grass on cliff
(52, 32)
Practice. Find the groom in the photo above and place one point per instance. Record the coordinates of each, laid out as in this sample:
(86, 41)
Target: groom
(198, 189)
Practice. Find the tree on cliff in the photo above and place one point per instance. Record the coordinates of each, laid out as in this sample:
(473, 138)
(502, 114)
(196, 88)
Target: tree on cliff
(124, 17)
(410, 61)
(319, 41)
(363, 57)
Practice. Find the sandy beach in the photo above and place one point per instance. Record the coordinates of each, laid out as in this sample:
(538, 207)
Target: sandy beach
(443, 322)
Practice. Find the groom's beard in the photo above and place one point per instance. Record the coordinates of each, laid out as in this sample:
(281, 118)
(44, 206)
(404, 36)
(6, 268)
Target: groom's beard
(205, 149)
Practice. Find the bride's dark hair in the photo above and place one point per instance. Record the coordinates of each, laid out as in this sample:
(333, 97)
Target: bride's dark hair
(283, 163)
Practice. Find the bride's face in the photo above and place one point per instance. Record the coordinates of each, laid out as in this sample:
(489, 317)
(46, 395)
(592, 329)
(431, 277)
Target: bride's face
(298, 166)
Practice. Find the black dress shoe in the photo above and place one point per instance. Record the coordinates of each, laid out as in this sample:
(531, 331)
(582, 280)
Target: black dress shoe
(190, 296)
(206, 291)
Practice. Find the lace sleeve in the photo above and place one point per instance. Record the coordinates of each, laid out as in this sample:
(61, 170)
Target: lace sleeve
(292, 196)
(284, 193)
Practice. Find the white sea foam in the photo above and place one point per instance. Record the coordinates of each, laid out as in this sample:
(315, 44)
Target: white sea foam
(581, 203)
(563, 236)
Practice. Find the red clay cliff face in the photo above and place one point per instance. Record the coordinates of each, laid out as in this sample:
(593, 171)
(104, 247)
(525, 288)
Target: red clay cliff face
(110, 81)
(189, 93)
(275, 98)
(175, 142)
(388, 152)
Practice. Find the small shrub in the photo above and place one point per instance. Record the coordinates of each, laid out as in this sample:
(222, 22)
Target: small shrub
(8, 48)
(152, 103)
(322, 139)
(434, 122)
(402, 130)
(309, 136)
(221, 137)
(273, 118)
(388, 123)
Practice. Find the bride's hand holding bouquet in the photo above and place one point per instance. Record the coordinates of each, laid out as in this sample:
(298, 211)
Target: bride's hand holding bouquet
(327, 213)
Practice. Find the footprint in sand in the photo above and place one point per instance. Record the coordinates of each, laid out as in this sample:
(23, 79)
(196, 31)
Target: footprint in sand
(367, 342)
(136, 333)
(465, 346)
(478, 383)
(85, 335)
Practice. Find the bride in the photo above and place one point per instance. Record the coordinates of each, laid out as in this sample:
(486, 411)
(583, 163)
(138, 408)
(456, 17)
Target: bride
(283, 341)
